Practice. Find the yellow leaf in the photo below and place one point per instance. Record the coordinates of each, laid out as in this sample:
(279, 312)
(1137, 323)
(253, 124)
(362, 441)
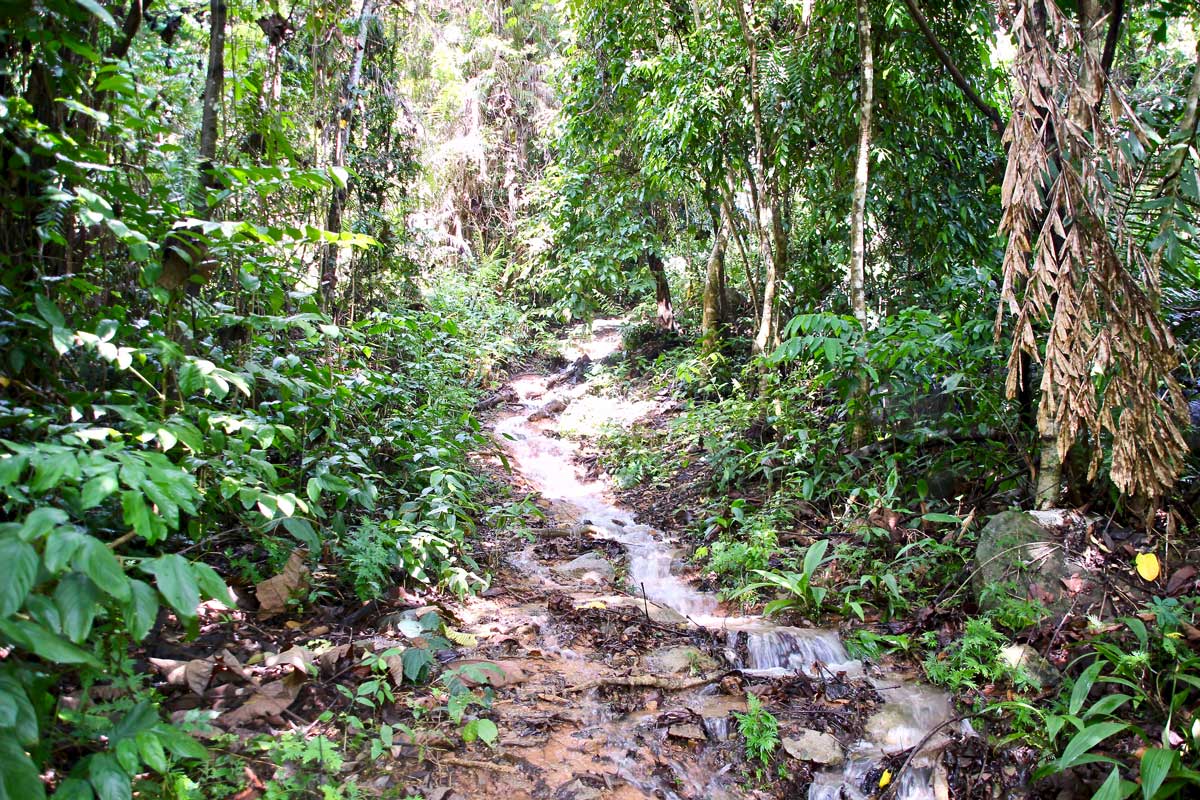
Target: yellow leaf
(885, 778)
(1147, 566)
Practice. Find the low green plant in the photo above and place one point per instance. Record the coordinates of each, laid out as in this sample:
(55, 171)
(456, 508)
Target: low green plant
(974, 659)
(800, 587)
(760, 730)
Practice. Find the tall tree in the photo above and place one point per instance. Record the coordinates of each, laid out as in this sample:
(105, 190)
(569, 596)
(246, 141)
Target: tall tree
(337, 161)
(858, 211)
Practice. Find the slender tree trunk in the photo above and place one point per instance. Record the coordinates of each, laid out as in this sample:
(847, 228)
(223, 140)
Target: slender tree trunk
(214, 88)
(770, 224)
(662, 293)
(341, 142)
(858, 211)
(728, 206)
(714, 283)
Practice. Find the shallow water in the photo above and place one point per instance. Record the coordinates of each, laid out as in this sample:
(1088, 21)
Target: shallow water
(910, 711)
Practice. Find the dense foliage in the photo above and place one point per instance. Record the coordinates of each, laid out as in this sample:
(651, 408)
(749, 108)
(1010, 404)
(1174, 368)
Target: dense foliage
(260, 261)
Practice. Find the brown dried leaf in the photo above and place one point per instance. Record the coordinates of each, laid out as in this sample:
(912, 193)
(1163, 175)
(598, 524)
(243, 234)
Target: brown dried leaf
(298, 658)
(194, 674)
(270, 699)
(1180, 579)
(274, 593)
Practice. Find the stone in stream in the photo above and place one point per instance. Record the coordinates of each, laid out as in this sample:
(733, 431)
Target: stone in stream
(547, 411)
(657, 613)
(681, 660)
(1022, 554)
(687, 731)
(589, 568)
(814, 746)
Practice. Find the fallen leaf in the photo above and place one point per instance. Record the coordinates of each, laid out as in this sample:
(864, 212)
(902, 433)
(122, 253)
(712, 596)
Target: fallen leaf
(229, 661)
(270, 699)
(1074, 584)
(194, 674)
(885, 778)
(298, 658)
(1147, 566)
(329, 659)
(274, 593)
(1180, 578)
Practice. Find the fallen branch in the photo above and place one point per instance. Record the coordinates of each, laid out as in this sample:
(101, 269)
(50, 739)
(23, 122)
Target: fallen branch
(466, 762)
(647, 682)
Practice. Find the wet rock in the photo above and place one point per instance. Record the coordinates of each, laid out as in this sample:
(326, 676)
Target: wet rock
(1022, 554)
(820, 748)
(589, 567)
(657, 613)
(555, 406)
(678, 661)
(687, 731)
(1026, 658)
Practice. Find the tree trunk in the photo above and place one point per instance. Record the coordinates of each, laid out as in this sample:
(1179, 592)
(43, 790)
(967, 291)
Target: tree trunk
(662, 293)
(858, 211)
(714, 284)
(341, 142)
(214, 87)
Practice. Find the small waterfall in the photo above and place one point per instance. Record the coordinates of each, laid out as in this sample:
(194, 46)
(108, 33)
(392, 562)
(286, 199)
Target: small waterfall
(794, 649)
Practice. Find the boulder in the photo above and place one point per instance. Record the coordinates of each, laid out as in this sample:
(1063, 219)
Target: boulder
(681, 660)
(589, 568)
(814, 746)
(1021, 554)
(1024, 657)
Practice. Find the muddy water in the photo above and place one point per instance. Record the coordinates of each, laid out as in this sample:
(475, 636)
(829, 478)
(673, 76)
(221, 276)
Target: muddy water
(547, 461)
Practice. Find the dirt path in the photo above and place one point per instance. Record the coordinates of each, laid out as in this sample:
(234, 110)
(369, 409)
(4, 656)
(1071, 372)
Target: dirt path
(620, 680)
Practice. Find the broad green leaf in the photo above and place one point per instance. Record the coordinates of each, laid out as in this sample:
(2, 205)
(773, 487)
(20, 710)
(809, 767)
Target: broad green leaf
(76, 597)
(141, 612)
(1082, 742)
(416, 661)
(179, 743)
(48, 310)
(41, 521)
(20, 562)
(109, 780)
(61, 546)
(211, 584)
(1156, 765)
(74, 789)
(1082, 686)
(19, 777)
(176, 582)
(152, 752)
(97, 490)
(303, 530)
(482, 729)
(24, 721)
(97, 561)
(102, 14)
(46, 644)
(1111, 788)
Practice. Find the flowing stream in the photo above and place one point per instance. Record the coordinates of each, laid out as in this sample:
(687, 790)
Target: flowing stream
(910, 711)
